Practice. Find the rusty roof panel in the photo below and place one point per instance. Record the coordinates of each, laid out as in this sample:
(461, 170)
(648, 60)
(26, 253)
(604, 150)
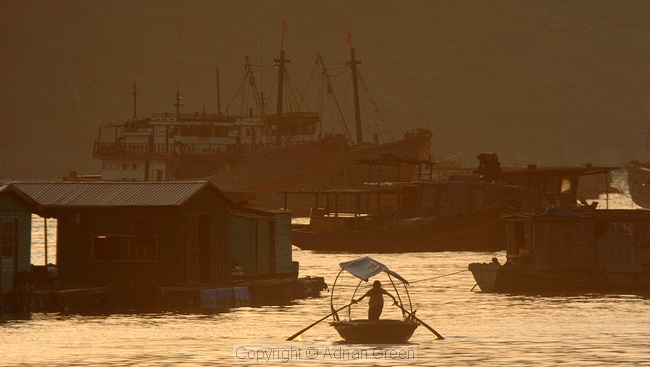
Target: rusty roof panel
(105, 193)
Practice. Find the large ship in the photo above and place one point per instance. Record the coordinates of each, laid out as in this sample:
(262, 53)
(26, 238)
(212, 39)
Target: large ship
(257, 152)
(177, 146)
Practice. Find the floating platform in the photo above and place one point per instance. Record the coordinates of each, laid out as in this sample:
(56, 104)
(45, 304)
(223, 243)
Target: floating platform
(135, 297)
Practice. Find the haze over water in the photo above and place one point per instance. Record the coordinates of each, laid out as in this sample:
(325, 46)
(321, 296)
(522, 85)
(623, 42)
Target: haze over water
(479, 329)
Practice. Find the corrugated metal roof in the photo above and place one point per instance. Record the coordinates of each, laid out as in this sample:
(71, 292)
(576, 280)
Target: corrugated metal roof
(105, 193)
(4, 188)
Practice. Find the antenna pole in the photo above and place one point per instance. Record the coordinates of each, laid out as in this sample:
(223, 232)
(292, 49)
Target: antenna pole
(178, 73)
(178, 104)
(218, 95)
(135, 114)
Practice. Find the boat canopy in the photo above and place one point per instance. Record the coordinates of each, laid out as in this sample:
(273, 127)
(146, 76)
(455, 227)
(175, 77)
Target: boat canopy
(366, 267)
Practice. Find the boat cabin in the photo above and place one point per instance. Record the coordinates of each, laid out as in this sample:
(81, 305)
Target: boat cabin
(612, 241)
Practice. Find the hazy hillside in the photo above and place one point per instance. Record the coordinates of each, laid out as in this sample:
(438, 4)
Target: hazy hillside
(560, 82)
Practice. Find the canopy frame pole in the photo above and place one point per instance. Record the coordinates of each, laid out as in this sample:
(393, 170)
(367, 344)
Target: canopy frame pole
(335, 315)
(396, 291)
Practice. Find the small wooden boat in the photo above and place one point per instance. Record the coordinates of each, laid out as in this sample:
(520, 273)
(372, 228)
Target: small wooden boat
(383, 331)
(376, 331)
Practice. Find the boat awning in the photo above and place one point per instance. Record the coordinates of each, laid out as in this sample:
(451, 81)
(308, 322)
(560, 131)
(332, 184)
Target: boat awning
(366, 267)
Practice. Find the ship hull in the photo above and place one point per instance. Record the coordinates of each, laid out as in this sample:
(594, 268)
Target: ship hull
(521, 279)
(306, 165)
(478, 231)
(324, 163)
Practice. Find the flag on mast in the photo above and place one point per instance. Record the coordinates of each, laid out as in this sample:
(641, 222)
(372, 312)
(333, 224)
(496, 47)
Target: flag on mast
(284, 25)
(348, 39)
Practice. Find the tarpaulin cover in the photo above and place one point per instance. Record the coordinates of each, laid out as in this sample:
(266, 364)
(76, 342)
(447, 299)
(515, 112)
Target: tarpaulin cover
(366, 267)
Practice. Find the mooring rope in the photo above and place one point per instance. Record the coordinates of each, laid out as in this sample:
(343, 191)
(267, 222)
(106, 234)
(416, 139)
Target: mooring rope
(439, 276)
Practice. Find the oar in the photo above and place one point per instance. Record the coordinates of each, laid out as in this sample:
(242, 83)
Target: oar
(420, 321)
(314, 324)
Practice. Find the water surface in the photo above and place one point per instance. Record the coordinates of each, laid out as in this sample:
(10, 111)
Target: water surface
(479, 329)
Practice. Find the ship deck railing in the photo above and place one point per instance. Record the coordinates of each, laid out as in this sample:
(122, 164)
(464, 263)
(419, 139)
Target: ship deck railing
(104, 150)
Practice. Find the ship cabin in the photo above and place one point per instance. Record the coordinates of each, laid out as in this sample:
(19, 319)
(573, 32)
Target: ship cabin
(553, 186)
(167, 234)
(613, 240)
(166, 147)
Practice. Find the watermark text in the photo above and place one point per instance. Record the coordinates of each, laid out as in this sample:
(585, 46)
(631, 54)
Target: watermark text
(324, 353)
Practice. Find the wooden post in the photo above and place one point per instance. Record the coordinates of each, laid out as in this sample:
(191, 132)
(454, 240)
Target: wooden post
(45, 241)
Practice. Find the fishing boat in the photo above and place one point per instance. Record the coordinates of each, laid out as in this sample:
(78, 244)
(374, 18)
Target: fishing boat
(461, 213)
(379, 331)
(563, 250)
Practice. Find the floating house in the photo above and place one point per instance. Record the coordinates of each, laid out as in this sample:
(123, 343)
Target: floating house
(16, 210)
(260, 242)
(145, 240)
(562, 250)
(169, 233)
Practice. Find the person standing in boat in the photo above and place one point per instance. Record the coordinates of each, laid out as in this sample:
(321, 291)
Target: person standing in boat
(376, 300)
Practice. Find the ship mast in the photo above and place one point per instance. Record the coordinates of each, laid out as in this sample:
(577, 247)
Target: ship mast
(330, 90)
(355, 86)
(280, 123)
(259, 97)
(279, 129)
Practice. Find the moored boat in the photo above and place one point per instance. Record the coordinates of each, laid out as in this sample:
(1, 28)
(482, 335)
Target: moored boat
(581, 251)
(461, 213)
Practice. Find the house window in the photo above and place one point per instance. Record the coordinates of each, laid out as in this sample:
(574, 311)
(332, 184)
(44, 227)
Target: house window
(8, 237)
(125, 248)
